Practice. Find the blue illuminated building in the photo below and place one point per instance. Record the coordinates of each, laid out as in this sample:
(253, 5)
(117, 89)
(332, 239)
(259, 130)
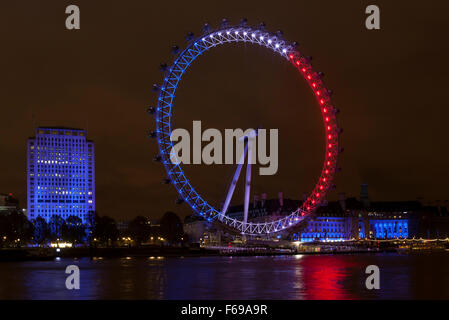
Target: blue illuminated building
(325, 228)
(386, 225)
(390, 220)
(344, 219)
(331, 222)
(352, 219)
(348, 219)
(388, 229)
(60, 174)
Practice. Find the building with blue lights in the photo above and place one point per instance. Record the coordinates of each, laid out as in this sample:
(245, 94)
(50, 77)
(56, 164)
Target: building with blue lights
(344, 219)
(330, 223)
(390, 220)
(60, 174)
(352, 219)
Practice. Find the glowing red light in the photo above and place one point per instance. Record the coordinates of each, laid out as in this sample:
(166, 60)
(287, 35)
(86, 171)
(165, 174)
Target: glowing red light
(314, 84)
(291, 56)
(328, 163)
(324, 179)
(328, 127)
(327, 119)
(321, 187)
(313, 201)
(318, 93)
(329, 154)
(309, 77)
(298, 62)
(303, 69)
(330, 136)
(330, 145)
(327, 171)
(322, 101)
(317, 194)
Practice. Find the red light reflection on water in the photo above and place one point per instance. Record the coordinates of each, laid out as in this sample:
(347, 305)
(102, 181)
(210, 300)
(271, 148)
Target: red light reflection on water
(327, 278)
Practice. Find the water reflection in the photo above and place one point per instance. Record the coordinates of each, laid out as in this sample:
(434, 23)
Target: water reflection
(325, 278)
(289, 277)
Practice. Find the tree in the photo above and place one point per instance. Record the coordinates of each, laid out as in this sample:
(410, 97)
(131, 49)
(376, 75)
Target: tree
(105, 230)
(41, 231)
(139, 229)
(171, 228)
(91, 219)
(56, 226)
(15, 228)
(75, 230)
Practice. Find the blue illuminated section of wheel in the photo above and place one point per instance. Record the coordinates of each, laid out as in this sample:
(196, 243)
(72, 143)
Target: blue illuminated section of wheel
(175, 175)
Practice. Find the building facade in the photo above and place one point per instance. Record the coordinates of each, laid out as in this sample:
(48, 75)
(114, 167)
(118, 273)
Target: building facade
(389, 220)
(326, 227)
(195, 229)
(60, 174)
(345, 219)
(8, 203)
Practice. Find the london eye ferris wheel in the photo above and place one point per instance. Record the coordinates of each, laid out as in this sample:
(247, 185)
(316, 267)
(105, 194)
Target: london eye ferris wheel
(228, 35)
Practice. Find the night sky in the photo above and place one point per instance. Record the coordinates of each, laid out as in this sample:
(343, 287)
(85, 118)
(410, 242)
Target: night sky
(390, 85)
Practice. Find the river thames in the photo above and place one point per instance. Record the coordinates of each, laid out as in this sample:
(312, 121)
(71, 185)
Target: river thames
(402, 276)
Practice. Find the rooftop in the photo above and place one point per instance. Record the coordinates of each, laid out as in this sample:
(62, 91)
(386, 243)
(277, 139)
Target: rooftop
(59, 128)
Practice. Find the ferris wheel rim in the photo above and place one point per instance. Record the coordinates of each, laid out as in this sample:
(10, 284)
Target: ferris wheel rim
(176, 175)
